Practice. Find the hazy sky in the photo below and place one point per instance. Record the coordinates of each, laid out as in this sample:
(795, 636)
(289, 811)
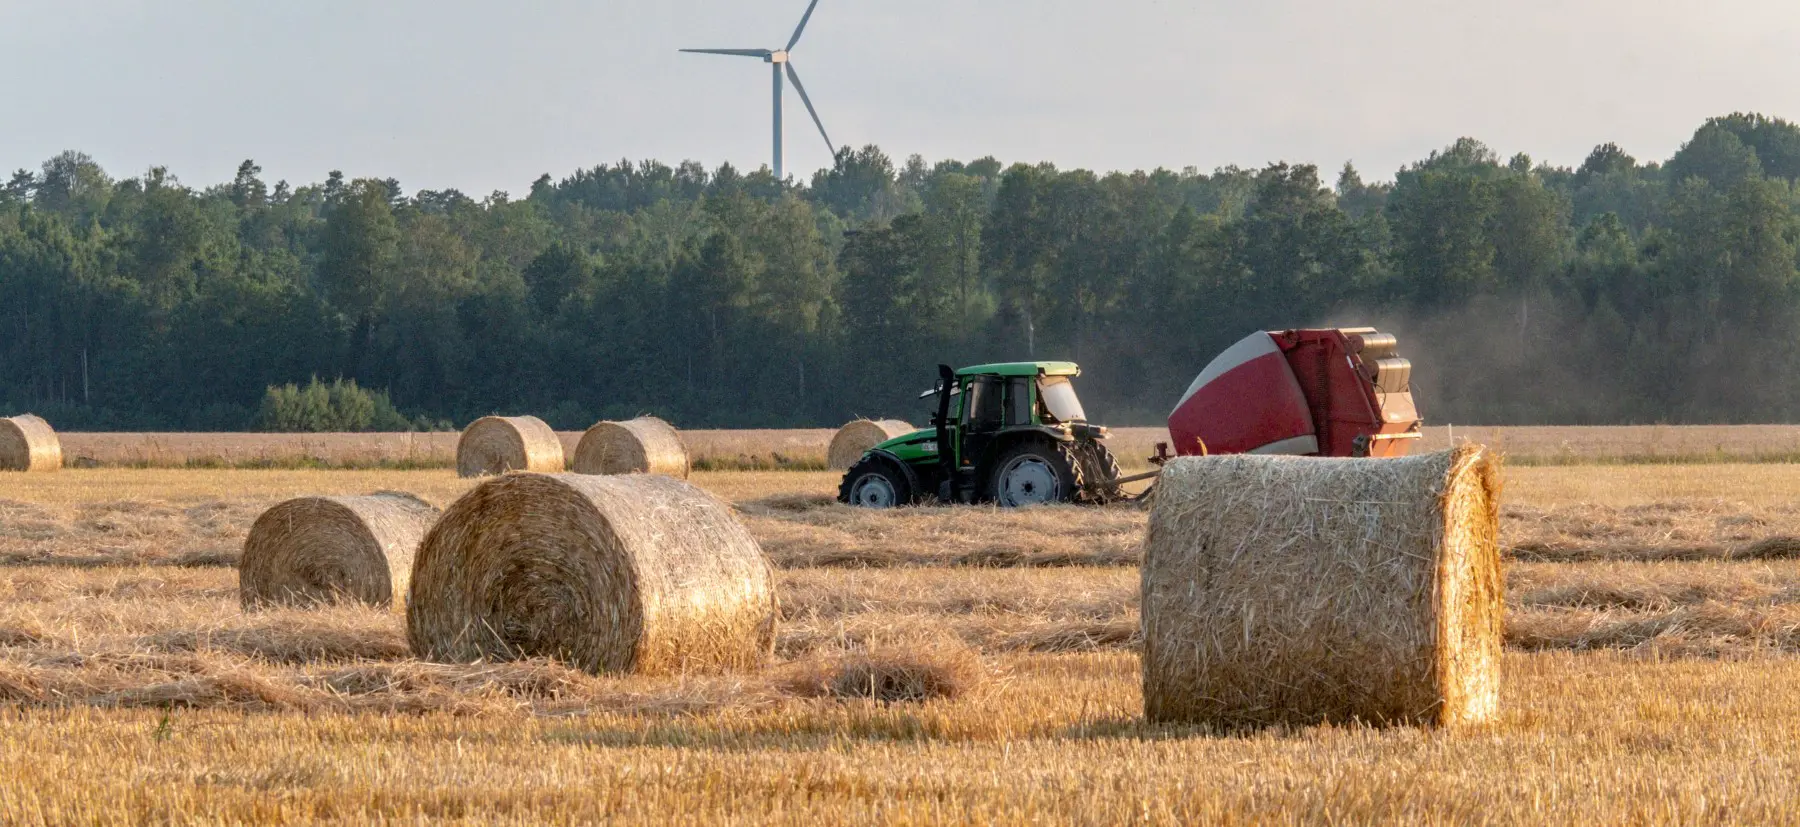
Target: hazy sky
(488, 95)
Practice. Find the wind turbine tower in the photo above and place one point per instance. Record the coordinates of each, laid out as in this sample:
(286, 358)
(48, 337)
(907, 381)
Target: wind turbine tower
(781, 62)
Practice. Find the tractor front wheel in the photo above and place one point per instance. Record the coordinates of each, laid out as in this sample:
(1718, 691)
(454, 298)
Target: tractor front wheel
(875, 482)
(1100, 470)
(1035, 473)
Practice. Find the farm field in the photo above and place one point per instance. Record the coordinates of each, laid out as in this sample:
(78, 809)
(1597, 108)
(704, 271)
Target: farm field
(806, 448)
(133, 688)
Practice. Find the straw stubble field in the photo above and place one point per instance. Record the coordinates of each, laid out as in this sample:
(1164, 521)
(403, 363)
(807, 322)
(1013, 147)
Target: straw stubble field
(809, 449)
(133, 687)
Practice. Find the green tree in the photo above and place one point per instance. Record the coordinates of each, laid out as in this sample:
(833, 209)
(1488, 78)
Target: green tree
(1439, 212)
(557, 273)
(360, 250)
(955, 207)
(1716, 155)
(73, 186)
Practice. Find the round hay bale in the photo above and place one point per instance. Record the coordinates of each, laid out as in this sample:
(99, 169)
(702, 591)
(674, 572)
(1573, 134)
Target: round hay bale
(641, 573)
(319, 550)
(645, 445)
(498, 444)
(1289, 590)
(856, 438)
(28, 443)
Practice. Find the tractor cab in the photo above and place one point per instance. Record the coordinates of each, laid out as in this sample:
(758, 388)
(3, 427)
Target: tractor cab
(1012, 433)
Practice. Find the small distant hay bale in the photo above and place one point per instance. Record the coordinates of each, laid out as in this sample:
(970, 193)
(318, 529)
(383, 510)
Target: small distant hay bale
(28, 443)
(315, 551)
(645, 445)
(498, 444)
(626, 574)
(925, 671)
(856, 438)
(1299, 591)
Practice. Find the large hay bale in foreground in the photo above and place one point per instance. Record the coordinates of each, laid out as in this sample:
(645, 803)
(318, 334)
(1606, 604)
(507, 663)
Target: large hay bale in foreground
(645, 445)
(320, 550)
(639, 573)
(1291, 590)
(498, 444)
(28, 443)
(856, 438)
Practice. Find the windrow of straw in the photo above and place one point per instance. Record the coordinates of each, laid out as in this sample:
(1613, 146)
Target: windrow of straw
(1301, 590)
(856, 438)
(319, 550)
(638, 573)
(498, 444)
(645, 445)
(28, 443)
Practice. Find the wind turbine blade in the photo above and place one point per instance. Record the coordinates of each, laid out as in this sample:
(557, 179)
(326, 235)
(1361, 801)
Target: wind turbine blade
(802, 27)
(801, 88)
(762, 53)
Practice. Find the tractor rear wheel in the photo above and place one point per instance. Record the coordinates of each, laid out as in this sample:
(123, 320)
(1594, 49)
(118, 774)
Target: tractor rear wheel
(875, 482)
(1035, 473)
(1099, 468)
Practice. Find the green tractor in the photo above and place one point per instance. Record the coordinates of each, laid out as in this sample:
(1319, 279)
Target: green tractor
(1010, 434)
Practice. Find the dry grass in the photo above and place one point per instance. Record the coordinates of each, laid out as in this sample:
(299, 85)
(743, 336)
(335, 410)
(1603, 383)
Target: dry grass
(993, 611)
(933, 675)
(1630, 444)
(800, 531)
(126, 532)
(1657, 610)
(171, 638)
(179, 450)
(710, 450)
(1754, 484)
(1714, 610)
(135, 517)
(913, 672)
(1063, 743)
(174, 637)
(806, 449)
(1667, 530)
(1539, 487)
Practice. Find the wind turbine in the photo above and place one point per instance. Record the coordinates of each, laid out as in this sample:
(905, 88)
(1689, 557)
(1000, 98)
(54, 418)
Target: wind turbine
(779, 60)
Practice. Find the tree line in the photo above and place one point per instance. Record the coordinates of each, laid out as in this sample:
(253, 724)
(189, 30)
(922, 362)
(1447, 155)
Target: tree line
(1619, 291)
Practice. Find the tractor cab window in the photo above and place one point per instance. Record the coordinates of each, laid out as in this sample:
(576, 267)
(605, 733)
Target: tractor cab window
(956, 400)
(1057, 401)
(983, 404)
(1018, 401)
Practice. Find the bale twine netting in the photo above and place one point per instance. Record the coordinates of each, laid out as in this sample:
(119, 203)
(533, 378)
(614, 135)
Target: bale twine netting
(628, 574)
(498, 444)
(321, 550)
(28, 443)
(1298, 591)
(856, 438)
(645, 445)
